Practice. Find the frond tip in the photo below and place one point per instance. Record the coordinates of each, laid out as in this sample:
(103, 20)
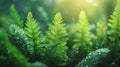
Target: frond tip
(15, 17)
(58, 17)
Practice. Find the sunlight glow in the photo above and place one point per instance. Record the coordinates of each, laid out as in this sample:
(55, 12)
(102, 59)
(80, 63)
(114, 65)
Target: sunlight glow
(95, 4)
(89, 1)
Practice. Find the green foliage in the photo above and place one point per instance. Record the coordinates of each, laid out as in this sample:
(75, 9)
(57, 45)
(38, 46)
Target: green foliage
(38, 64)
(13, 55)
(56, 37)
(82, 38)
(101, 30)
(15, 17)
(114, 25)
(53, 48)
(114, 35)
(4, 23)
(101, 34)
(93, 58)
(57, 31)
(3, 51)
(83, 32)
(19, 38)
(2, 48)
(32, 31)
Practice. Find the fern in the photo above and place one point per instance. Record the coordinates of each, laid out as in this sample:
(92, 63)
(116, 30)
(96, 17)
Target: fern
(57, 37)
(101, 34)
(32, 31)
(13, 55)
(93, 58)
(82, 35)
(101, 30)
(4, 23)
(114, 34)
(3, 51)
(15, 17)
(83, 31)
(114, 25)
(19, 38)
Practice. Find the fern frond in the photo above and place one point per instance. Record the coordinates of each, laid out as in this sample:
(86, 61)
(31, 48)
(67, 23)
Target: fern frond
(57, 31)
(32, 31)
(93, 58)
(19, 38)
(83, 31)
(15, 17)
(57, 37)
(114, 25)
(101, 34)
(13, 54)
(4, 23)
(114, 33)
(3, 50)
(101, 30)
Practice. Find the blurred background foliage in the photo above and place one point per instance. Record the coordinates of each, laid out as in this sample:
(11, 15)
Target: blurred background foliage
(44, 10)
(97, 11)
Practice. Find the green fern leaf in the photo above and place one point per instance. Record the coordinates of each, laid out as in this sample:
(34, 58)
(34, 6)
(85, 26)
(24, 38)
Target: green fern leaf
(19, 38)
(83, 31)
(114, 25)
(57, 37)
(15, 16)
(33, 32)
(57, 31)
(93, 58)
(101, 30)
(101, 34)
(114, 33)
(12, 53)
